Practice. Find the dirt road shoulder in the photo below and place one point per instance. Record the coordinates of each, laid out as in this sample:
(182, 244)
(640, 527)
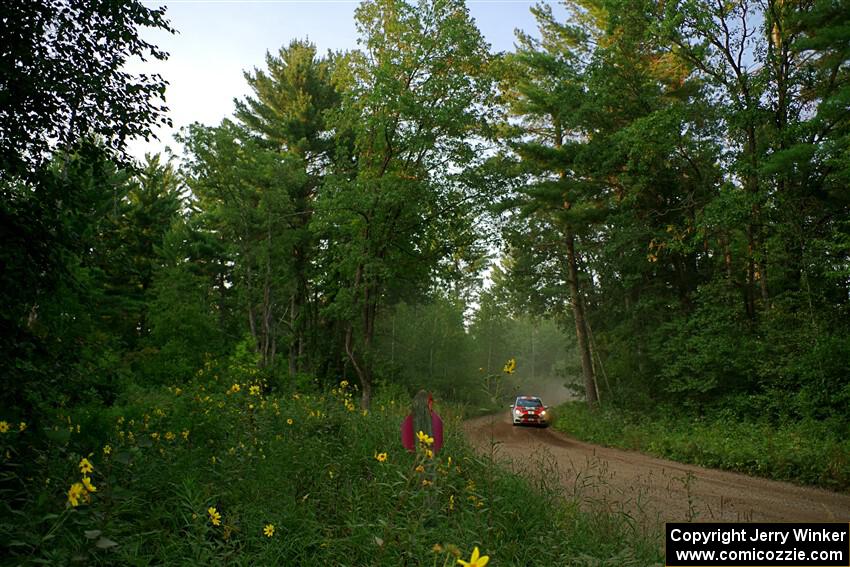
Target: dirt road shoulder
(651, 490)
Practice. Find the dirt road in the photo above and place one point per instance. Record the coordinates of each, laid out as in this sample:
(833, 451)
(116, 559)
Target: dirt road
(648, 489)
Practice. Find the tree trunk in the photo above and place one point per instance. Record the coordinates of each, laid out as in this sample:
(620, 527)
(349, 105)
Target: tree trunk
(362, 364)
(293, 343)
(727, 257)
(591, 393)
(757, 265)
(268, 341)
(370, 311)
(581, 326)
(252, 318)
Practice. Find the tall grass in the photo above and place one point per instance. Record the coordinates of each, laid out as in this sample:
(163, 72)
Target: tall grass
(225, 471)
(807, 452)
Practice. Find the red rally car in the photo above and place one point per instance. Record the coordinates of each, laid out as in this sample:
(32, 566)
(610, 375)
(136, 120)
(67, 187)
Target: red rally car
(529, 410)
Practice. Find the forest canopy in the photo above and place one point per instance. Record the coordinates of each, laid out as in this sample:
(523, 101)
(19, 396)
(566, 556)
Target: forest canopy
(641, 209)
(645, 200)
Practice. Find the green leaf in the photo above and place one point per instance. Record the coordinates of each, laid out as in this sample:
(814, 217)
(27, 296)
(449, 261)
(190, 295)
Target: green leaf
(123, 457)
(105, 543)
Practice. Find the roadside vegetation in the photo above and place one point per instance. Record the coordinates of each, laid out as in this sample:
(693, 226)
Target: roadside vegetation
(811, 452)
(229, 470)
(649, 196)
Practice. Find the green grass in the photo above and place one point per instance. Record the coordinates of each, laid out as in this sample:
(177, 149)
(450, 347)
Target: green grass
(316, 480)
(809, 453)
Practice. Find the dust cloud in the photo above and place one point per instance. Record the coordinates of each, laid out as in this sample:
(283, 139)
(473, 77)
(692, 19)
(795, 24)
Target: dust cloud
(552, 390)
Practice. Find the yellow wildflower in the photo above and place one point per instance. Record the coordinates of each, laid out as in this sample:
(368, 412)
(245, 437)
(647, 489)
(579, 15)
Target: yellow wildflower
(420, 469)
(4, 426)
(426, 482)
(429, 453)
(169, 436)
(254, 390)
(289, 421)
(75, 493)
(215, 517)
(269, 530)
(177, 391)
(423, 438)
(85, 466)
(22, 426)
(452, 502)
(88, 485)
(343, 384)
(381, 457)
(475, 560)
(437, 548)
(185, 434)
(155, 435)
(510, 366)
(235, 388)
(107, 450)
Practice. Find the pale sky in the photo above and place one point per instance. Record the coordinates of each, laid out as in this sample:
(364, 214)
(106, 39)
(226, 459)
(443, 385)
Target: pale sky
(218, 39)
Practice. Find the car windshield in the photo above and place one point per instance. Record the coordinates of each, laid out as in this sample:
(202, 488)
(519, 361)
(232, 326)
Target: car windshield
(529, 403)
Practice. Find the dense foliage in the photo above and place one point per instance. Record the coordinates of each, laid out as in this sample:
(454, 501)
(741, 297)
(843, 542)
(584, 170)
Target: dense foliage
(646, 200)
(62, 76)
(667, 184)
(680, 166)
(219, 471)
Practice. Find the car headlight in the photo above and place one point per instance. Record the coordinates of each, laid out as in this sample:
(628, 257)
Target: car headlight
(517, 413)
(543, 412)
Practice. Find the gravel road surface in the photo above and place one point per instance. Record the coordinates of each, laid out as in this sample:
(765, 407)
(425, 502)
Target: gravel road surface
(648, 489)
